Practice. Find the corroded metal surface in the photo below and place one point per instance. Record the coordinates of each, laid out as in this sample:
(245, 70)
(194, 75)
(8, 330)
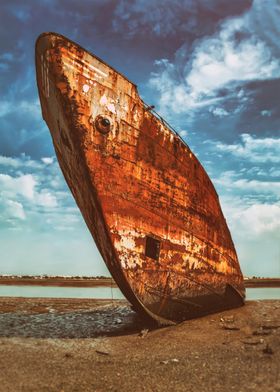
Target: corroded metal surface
(149, 204)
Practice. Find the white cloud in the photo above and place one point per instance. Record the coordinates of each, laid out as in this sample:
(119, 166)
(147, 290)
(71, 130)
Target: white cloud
(233, 55)
(45, 199)
(47, 160)
(255, 229)
(9, 161)
(26, 187)
(252, 148)
(19, 162)
(219, 112)
(23, 185)
(266, 113)
(259, 219)
(32, 183)
(15, 209)
(220, 59)
(38, 214)
(252, 219)
(230, 180)
(183, 133)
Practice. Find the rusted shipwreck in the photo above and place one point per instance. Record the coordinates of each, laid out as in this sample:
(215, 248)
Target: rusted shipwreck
(150, 206)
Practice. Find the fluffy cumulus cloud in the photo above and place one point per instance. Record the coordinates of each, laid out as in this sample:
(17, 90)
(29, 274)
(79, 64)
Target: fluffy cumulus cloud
(41, 228)
(255, 228)
(259, 219)
(251, 219)
(47, 160)
(17, 162)
(248, 182)
(11, 209)
(252, 148)
(217, 65)
(219, 112)
(234, 54)
(231, 181)
(25, 188)
(22, 185)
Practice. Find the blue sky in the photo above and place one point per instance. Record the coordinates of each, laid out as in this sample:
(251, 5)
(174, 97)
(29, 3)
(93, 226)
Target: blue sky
(211, 68)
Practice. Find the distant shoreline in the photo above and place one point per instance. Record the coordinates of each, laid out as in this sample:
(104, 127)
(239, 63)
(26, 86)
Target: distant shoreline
(262, 282)
(103, 281)
(57, 281)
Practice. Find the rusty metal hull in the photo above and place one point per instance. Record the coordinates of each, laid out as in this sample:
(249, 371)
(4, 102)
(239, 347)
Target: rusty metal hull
(146, 199)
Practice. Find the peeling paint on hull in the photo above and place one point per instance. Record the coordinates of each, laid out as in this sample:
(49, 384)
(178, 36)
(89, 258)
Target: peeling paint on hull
(147, 201)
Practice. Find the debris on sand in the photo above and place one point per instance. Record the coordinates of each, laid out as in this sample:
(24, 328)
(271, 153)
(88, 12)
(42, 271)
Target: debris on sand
(173, 360)
(143, 333)
(102, 352)
(253, 342)
(228, 323)
(268, 350)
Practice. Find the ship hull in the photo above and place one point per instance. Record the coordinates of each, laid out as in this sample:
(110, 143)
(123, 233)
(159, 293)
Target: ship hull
(147, 201)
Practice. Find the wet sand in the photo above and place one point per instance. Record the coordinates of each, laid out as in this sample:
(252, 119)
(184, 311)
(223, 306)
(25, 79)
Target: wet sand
(100, 345)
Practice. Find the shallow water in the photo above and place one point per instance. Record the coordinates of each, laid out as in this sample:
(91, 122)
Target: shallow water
(60, 292)
(105, 292)
(263, 293)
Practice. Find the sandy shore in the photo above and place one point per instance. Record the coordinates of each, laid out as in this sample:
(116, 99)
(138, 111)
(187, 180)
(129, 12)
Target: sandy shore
(100, 345)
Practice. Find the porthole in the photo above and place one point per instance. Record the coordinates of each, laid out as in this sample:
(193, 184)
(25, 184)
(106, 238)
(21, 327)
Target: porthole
(103, 124)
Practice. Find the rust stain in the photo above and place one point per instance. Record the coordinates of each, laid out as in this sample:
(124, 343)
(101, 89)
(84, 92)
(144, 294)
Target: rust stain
(134, 181)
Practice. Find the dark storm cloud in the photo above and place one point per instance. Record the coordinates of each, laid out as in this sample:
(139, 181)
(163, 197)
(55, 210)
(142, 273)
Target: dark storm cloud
(249, 108)
(22, 128)
(116, 31)
(263, 110)
(165, 19)
(161, 27)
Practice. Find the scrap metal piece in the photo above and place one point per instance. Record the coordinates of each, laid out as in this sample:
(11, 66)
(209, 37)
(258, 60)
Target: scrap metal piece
(146, 199)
